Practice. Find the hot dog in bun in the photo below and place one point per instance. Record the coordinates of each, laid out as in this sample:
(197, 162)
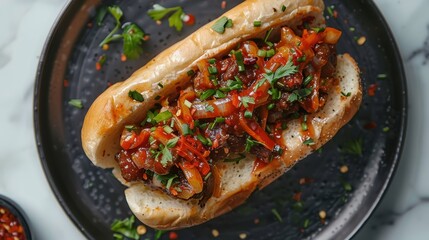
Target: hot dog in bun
(224, 112)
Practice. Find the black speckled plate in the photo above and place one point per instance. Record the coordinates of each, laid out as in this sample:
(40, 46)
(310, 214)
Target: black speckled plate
(93, 198)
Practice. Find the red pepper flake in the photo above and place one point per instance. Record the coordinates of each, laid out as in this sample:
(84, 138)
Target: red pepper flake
(66, 83)
(335, 14)
(371, 89)
(173, 235)
(297, 196)
(109, 84)
(90, 24)
(370, 125)
(123, 58)
(146, 37)
(223, 5)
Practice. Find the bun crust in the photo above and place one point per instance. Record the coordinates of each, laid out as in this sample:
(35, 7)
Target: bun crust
(155, 208)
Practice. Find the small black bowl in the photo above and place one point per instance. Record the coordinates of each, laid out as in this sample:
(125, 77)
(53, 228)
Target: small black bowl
(17, 211)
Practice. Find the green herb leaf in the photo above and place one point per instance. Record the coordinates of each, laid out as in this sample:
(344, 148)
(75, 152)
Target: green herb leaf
(135, 95)
(257, 23)
(299, 94)
(77, 103)
(353, 147)
(133, 38)
(216, 121)
(125, 227)
(101, 13)
(175, 20)
(247, 100)
(209, 108)
(249, 144)
(235, 158)
(158, 234)
(307, 80)
(277, 215)
(309, 142)
(166, 156)
(163, 116)
(222, 23)
(206, 94)
(117, 13)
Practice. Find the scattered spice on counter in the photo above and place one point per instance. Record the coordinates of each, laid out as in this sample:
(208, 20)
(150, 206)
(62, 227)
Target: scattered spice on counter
(223, 5)
(66, 83)
(256, 221)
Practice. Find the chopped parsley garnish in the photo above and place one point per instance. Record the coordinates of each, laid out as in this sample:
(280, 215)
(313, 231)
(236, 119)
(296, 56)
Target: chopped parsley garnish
(247, 100)
(77, 103)
(386, 129)
(209, 108)
(174, 20)
(163, 116)
(166, 156)
(135, 95)
(206, 94)
(306, 223)
(158, 234)
(240, 60)
(267, 35)
(353, 147)
(318, 29)
(130, 128)
(381, 76)
(167, 179)
(186, 130)
(222, 23)
(307, 80)
(124, 228)
(132, 35)
(249, 144)
(236, 84)
(277, 215)
(283, 8)
(190, 73)
(347, 186)
(299, 94)
(236, 158)
(346, 94)
(101, 13)
(286, 70)
(309, 142)
(257, 23)
(216, 121)
(172, 142)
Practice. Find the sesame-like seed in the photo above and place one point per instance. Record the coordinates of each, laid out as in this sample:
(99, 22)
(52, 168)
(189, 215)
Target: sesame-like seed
(141, 229)
(215, 233)
(344, 169)
(322, 214)
(242, 236)
(361, 40)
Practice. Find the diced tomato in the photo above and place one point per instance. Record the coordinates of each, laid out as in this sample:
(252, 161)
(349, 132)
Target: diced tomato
(131, 140)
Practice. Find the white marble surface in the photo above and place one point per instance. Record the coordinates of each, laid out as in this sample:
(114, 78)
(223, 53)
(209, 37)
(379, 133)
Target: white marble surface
(403, 213)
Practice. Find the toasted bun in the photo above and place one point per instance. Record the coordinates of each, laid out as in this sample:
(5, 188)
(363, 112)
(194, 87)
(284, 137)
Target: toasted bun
(113, 109)
(161, 211)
